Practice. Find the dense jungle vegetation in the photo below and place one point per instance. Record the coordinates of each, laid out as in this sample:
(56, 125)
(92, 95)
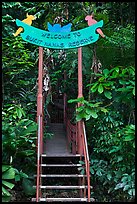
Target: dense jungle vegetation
(108, 87)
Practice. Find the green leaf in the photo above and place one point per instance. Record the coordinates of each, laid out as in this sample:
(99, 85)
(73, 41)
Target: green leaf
(94, 87)
(76, 100)
(99, 173)
(122, 82)
(28, 187)
(129, 138)
(92, 170)
(104, 110)
(6, 198)
(119, 185)
(78, 117)
(131, 192)
(82, 172)
(88, 110)
(105, 72)
(133, 91)
(109, 176)
(79, 109)
(19, 113)
(107, 94)
(17, 178)
(10, 108)
(9, 174)
(81, 162)
(88, 117)
(5, 192)
(27, 152)
(94, 114)
(126, 187)
(31, 128)
(8, 184)
(100, 88)
(23, 175)
(5, 167)
(120, 158)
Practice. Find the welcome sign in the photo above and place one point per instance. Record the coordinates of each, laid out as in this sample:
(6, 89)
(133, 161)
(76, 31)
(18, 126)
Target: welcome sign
(59, 40)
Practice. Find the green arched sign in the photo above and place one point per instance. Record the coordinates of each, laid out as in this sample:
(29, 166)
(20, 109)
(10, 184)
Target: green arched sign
(59, 40)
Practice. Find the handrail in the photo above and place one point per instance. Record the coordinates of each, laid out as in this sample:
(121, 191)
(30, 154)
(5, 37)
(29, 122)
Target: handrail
(71, 134)
(73, 128)
(86, 156)
(39, 150)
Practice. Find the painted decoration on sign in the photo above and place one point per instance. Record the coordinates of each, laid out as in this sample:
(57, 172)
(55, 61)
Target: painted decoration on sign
(92, 21)
(58, 28)
(27, 20)
(58, 37)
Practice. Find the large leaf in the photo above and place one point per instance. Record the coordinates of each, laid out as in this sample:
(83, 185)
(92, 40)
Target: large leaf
(92, 170)
(76, 100)
(100, 88)
(5, 192)
(94, 114)
(19, 112)
(81, 116)
(9, 174)
(107, 94)
(105, 72)
(5, 167)
(31, 128)
(28, 187)
(8, 184)
(129, 138)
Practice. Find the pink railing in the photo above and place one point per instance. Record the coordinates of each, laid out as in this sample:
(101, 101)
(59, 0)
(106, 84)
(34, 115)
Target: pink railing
(71, 135)
(76, 134)
(86, 154)
(40, 111)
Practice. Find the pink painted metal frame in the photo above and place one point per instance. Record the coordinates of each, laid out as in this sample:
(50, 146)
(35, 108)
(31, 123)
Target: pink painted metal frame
(76, 133)
(40, 122)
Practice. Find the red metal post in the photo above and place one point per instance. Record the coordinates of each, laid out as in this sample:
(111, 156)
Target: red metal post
(39, 121)
(65, 100)
(80, 85)
(80, 94)
(40, 97)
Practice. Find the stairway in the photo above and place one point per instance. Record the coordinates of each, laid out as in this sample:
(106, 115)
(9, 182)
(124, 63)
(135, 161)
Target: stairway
(60, 175)
(58, 143)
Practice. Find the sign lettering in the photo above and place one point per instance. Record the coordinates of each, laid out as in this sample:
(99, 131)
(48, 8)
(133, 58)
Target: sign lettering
(59, 40)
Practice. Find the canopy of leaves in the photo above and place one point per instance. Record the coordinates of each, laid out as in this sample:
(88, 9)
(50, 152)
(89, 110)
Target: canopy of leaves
(108, 105)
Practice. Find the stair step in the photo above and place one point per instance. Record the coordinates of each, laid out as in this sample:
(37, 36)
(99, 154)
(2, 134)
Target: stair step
(61, 199)
(61, 175)
(62, 187)
(60, 165)
(62, 155)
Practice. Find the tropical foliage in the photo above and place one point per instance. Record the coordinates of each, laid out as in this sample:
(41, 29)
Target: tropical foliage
(108, 104)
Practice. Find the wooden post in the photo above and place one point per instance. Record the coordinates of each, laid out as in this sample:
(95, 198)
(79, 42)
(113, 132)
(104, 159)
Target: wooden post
(80, 94)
